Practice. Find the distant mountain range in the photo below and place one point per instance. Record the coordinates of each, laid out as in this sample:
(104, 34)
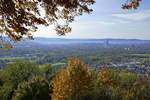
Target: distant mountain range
(70, 41)
(46, 41)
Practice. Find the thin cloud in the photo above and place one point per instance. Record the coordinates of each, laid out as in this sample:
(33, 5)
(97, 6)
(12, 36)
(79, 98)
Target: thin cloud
(139, 16)
(106, 23)
(117, 21)
(113, 22)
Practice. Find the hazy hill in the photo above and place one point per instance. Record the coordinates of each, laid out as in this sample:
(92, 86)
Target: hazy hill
(82, 41)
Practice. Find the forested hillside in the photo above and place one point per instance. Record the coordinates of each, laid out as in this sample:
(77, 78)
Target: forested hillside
(74, 81)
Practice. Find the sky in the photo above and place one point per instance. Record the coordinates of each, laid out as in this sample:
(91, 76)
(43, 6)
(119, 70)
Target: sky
(107, 20)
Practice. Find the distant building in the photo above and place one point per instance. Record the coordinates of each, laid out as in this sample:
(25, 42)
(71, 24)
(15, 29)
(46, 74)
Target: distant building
(126, 48)
(133, 46)
(106, 43)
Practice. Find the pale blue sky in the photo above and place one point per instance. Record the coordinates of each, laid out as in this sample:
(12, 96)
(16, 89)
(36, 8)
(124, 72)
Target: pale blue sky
(108, 20)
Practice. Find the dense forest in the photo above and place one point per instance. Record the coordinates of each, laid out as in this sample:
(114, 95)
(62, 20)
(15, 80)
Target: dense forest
(24, 80)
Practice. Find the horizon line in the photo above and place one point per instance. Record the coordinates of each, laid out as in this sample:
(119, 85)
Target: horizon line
(90, 38)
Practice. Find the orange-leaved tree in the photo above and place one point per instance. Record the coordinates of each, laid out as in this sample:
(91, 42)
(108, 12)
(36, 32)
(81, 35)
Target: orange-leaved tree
(72, 83)
(108, 77)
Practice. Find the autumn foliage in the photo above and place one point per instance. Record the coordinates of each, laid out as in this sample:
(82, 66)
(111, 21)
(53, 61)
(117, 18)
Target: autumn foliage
(131, 4)
(19, 18)
(107, 77)
(73, 83)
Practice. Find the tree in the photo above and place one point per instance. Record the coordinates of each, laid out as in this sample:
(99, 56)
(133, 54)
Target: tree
(16, 73)
(19, 18)
(36, 88)
(107, 85)
(142, 88)
(143, 91)
(2, 79)
(108, 77)
(127, 82)
(127, 79)
(20, 71)
(72, 83)
(131, 4)
(48, 71)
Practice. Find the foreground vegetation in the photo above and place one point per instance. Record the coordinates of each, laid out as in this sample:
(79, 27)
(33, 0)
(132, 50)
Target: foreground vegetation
(75, 81)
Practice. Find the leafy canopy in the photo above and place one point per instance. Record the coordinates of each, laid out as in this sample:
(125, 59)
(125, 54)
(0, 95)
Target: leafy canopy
(18, 18)
(35, 89)
(16, 73)
(72, 83)
(131, 4)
